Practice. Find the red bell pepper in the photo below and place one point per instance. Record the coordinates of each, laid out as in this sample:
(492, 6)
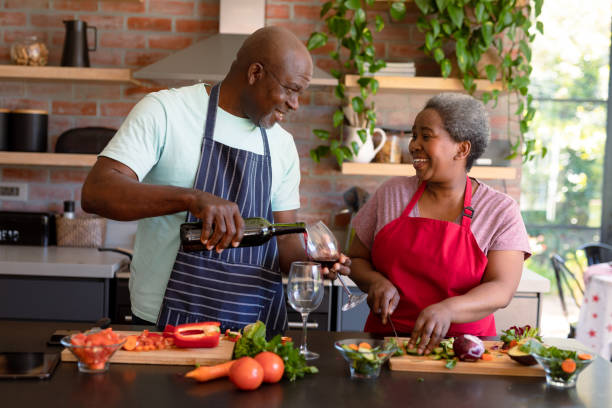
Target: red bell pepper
(196, 335)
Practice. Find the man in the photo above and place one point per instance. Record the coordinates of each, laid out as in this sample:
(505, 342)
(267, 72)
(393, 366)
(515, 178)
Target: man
(177, 152)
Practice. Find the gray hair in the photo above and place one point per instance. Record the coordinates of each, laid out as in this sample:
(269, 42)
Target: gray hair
(465, 119)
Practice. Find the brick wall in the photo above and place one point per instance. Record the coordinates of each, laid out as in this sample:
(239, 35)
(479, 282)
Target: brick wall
(136, 34)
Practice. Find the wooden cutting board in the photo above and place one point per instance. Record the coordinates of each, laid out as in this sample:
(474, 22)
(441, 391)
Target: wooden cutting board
(174, 356)
(500, 365)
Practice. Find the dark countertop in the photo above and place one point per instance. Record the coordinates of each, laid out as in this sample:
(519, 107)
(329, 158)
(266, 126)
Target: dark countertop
(126, 385)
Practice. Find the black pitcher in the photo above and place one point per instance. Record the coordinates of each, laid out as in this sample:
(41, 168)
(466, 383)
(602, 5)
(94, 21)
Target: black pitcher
(76, 50)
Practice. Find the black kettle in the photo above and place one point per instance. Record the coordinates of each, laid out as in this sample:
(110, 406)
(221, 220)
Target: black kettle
(76, 50)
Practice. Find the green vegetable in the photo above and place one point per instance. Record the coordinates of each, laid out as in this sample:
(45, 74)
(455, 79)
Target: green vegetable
(253, 342)
(519, 333)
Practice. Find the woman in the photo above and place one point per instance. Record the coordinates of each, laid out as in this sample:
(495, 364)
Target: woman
(440, 251)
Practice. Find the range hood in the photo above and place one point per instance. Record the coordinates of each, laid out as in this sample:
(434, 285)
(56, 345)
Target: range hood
(209, 60)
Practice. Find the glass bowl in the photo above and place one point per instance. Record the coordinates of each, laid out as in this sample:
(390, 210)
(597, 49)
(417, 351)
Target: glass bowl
(555, 375)
(365, 363)
(93, 349)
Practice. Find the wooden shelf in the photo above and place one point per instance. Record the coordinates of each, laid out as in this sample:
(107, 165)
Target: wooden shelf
(66, 73)
(47, 159)
(425, 83)
(386, 169)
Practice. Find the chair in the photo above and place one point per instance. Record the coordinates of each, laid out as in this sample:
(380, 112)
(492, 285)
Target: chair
(565, 278)
(597, 252)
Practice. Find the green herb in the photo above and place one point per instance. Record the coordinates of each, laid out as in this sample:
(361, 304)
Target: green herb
(451, 363)
(420, 379)
(253, 342)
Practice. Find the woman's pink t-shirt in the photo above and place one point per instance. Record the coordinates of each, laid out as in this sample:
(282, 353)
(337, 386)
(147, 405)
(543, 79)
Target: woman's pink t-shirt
(497, 223)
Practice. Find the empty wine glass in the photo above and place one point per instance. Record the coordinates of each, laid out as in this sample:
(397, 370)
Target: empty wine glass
(322, 247)
(305, 293)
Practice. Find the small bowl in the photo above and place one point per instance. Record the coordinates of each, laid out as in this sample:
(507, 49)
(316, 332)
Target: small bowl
(555, 376)
(359, 365)
(94, 358)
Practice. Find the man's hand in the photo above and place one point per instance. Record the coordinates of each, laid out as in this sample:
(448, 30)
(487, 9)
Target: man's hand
(431, 326)
(383, 298)
(221, 215)
(343, 267)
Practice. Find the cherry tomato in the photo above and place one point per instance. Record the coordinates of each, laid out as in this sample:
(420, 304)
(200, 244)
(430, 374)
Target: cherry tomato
(273, 366)
(246, 373)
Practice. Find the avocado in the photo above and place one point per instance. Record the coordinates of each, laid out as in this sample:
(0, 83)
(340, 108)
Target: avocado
(520, 356)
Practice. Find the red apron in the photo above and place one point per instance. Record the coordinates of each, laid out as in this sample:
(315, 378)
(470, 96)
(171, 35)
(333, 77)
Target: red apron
(428, 261)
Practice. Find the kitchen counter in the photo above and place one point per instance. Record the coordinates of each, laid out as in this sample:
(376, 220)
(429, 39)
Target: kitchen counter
(126, 385)
(530, 282)
(53, 261)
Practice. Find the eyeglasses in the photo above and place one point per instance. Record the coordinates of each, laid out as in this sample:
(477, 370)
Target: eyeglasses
(290, 92)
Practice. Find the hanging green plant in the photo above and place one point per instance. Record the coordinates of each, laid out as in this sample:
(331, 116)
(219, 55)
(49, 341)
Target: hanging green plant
(475, 27)
(347, 23)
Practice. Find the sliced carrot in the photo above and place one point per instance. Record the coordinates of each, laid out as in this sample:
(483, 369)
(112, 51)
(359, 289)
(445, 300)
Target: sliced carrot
(207, 373)
(365, 345)
(130, 342)
(353, 347)
(487, 357)
(584, 356)
(568, 365)
(513, 343)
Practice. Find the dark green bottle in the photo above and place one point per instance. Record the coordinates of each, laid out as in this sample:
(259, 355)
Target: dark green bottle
(257, 231)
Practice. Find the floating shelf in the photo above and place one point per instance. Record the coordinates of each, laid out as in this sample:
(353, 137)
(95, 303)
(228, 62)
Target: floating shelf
(47, 159)
(386, 169)
(425, 83)
(66, 73)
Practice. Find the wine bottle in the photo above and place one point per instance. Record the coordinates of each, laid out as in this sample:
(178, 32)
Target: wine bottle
(257, 231)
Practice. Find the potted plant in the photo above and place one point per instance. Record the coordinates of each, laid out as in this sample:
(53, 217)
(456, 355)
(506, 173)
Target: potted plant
(347, 23)
(476, 28)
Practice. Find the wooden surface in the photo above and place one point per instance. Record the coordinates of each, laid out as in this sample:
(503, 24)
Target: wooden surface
(425, 83)
(500, 365)
(387, 169)
(47, 159)
(174, 356)
(66, 73)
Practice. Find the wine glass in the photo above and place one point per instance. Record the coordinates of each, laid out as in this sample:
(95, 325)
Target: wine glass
(322, 247)
(305, 293)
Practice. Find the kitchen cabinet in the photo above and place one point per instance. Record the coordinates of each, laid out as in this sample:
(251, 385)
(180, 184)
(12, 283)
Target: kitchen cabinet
(56, 283)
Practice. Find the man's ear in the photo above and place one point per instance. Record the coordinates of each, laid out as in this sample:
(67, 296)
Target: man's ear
(463, 150)
(255, 72)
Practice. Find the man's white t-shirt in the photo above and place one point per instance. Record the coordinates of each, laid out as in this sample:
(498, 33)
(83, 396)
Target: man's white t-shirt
(160, 140)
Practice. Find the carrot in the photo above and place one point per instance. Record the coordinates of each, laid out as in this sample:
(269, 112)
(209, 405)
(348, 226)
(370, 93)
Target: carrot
(513, 343)
(584, 356)
(487, 357)
(207, 373)
(130, 343)
(365, 345)
(353, 347)
(568, 365)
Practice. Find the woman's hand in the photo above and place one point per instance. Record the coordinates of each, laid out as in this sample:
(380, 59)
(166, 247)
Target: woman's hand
(341, 267)
(383, 298)
(431, 326)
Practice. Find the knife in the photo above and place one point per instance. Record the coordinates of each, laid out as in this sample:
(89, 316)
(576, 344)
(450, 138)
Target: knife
(393, 327)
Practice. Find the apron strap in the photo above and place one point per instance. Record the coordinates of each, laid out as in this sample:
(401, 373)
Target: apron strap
(468, 211)
(211, 115)
(415, 198)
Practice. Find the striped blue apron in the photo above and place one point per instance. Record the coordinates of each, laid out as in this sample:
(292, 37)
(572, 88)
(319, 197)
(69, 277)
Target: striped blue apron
(240, 285)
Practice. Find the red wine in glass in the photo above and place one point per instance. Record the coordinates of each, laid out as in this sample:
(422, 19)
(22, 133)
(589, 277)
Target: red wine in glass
(326, 263)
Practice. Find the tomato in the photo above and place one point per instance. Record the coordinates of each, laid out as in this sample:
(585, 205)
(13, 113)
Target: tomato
(273, 366)
(246, 373)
